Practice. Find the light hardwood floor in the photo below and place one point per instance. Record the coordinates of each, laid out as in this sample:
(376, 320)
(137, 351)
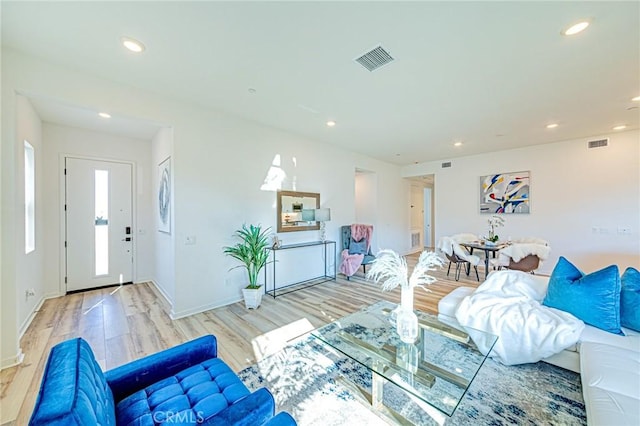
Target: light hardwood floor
(125, 323)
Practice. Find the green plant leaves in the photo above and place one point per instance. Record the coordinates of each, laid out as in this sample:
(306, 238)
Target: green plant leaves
(251, 250)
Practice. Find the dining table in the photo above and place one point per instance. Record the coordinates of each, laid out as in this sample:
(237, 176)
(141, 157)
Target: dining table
(489, 250)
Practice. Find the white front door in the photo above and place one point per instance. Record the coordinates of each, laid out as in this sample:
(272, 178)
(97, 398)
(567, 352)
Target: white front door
(98, 211)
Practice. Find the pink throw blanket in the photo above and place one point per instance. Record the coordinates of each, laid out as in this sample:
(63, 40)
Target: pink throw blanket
(359, 231)
(350, 262)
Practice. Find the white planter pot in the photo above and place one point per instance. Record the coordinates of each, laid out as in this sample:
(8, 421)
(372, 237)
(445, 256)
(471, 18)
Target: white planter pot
(252, 297)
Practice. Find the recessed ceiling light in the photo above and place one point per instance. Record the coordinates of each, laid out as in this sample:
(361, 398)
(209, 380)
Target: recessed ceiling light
(552, 125)
(636, 99)
(576, 28)
(104, 115)
(457, 143)
(133, 45)
(331, 123)
(620, 127)
(251, 90)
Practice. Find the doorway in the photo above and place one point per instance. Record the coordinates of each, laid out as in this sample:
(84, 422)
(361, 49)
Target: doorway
(428, 217)
(421, 212)
(98, 222)
(366, 200)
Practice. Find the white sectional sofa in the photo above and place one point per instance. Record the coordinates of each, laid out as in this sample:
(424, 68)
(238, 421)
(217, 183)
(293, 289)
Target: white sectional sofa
(609, 367)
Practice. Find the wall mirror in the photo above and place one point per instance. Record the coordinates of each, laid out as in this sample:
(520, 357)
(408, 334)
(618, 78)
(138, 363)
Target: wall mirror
(296, 211)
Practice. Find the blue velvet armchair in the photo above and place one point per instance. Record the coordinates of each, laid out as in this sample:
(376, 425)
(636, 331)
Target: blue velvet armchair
(187, 385)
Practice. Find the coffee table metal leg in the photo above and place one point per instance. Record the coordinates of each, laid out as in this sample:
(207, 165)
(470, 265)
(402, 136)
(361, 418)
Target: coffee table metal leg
(375, 400)
(377, 385)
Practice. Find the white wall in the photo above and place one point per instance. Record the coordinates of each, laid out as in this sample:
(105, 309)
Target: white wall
(219, 163)
(9, 349)
(164, 244)
(366, 200)
(29, 267)
(218, 179)
(61, 141)
(573, 190)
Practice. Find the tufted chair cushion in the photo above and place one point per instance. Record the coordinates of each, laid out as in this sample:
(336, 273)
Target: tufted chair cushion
(74, 390)
(186, 385)
(191, 396)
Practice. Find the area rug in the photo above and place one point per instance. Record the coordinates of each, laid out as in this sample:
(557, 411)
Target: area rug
(306, 380)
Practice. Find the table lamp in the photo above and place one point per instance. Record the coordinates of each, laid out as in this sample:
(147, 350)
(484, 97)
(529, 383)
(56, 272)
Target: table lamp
(322, 216)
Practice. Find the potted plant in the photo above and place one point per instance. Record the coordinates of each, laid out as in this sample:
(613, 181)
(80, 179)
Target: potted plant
(252, 252)
(494, 221)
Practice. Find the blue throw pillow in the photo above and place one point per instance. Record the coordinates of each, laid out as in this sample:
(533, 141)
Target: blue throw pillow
(630, 299)
(358, 247)
(594, 298)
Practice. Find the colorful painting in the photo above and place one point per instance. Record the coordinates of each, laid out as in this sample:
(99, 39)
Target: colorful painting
(505, 193)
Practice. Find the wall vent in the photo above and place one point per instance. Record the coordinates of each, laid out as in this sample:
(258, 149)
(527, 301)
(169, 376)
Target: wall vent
(415, 239)
(599, 143)
(375, 58)
(447, 164)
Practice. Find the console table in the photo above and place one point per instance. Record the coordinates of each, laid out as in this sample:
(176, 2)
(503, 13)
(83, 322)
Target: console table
(273, 289)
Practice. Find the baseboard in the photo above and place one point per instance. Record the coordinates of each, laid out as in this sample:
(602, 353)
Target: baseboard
(414, 250)
(27, 322)
(12, 361)
(166, 303)
(188, 312)
(169, 310)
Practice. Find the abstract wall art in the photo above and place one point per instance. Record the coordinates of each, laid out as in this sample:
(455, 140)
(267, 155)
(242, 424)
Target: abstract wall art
(505, 193)
(164, 196)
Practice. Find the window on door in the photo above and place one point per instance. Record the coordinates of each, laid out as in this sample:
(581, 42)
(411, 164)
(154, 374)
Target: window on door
(102, 222)
(29, 198)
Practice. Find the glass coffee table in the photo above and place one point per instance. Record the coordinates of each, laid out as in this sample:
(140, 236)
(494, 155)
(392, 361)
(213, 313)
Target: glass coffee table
(435, 371)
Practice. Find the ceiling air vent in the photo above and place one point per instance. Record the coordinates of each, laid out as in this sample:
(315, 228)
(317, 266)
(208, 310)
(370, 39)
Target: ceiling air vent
(375, 58)
(447, 164)
(599, 143)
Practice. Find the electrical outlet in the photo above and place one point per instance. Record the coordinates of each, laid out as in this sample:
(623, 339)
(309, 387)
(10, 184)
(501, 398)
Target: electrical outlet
(30, 292)
(624, 230)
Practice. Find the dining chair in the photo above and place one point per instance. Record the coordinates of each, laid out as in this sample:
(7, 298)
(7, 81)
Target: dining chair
(525, 257)
(458, 255)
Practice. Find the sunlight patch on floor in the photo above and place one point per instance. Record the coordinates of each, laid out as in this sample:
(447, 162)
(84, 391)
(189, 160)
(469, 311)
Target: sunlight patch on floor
(273, 341)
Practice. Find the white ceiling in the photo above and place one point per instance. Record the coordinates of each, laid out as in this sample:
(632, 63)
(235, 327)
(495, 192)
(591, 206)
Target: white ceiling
(490, 74)
(56, 111)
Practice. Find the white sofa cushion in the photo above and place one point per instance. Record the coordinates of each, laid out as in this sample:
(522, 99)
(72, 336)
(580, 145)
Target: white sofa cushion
(631, 340)
(448, 304)
(610, 384)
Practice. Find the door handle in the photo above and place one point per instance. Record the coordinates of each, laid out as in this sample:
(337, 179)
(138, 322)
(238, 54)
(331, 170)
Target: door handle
(127, 239)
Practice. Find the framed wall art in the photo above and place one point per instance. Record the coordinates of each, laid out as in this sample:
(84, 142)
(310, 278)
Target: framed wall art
(164, 196)
(505, 193)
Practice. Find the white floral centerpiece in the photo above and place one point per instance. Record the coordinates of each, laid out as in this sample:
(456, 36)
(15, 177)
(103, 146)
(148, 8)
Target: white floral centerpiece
(495, 221)
(390, 269)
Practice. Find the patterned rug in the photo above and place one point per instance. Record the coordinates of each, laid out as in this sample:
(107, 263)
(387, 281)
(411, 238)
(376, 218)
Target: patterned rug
(306, 380)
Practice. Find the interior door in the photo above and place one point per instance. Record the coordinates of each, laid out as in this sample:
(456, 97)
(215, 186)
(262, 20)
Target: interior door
(98, 212)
